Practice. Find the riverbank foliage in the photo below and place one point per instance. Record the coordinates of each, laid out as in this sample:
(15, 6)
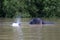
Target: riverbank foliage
(29, 8)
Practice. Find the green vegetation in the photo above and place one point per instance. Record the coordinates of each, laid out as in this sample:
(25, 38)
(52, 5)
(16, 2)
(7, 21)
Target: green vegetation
(29, 8)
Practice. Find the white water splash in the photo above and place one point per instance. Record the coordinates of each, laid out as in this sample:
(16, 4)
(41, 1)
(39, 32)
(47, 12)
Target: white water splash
(17, 29)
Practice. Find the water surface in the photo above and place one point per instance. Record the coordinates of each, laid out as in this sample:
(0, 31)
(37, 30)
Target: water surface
(35, 32)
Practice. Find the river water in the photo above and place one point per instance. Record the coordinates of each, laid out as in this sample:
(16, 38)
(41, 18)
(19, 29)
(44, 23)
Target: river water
(28, 32)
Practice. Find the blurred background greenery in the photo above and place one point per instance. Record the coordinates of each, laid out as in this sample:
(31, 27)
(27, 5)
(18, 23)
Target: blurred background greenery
(30, 8)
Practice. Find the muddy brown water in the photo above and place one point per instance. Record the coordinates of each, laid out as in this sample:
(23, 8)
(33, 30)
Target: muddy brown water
(30, 32)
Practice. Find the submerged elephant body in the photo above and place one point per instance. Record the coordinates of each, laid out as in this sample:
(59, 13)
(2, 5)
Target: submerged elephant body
(35, 21)
(39, 21)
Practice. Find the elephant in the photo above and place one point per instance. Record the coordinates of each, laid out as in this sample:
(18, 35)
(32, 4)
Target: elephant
(39, 21)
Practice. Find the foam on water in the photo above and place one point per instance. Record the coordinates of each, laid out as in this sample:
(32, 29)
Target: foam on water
(17, 29)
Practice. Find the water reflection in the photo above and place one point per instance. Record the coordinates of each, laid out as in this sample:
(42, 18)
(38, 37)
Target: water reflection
(18, 34)
(30, 32)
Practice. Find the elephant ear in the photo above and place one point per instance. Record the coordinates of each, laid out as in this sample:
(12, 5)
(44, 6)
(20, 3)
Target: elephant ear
(35, 21)
(32, 22)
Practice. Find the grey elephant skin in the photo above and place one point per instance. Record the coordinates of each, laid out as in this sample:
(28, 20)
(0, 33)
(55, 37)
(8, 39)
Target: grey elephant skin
(39, 21)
